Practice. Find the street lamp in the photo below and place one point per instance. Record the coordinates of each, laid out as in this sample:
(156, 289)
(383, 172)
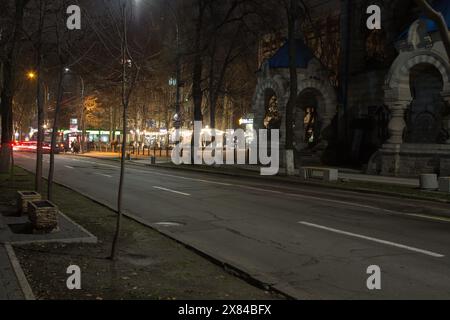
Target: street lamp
(31, 75)
(83, 116)
(177, 81)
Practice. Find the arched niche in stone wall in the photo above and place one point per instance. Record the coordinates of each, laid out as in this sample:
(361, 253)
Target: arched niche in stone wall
(313, 80)
(314, 92)
(268, 86)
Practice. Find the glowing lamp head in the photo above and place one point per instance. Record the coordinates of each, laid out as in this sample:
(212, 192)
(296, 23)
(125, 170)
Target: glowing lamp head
(31, 75)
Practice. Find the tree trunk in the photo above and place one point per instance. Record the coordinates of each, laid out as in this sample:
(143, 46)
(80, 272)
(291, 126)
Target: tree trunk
(293, 83)
(40, 135)
(126, 93)
(111, 125)
(83, 130)
(212, 89)
(121, 183)
(40, 104)
(7, 94)
(293, 87)
(54, 136)
(6, 112)
(114, 122)
(197, 93)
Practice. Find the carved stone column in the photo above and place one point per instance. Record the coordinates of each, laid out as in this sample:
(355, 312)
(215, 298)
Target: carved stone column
(397, 124)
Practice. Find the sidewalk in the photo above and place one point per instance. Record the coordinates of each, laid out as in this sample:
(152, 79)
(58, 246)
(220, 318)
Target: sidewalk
(15, 231)
(346, 174)
(410, 182)
(116, 155)
(149, 266)
(9, 284)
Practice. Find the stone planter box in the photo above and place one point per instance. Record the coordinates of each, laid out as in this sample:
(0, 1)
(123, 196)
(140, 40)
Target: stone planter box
(23, 197)
(43, 216)
(429, 182)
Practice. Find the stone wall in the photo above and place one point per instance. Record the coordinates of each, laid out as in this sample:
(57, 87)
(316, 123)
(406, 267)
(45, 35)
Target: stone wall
(411, 160)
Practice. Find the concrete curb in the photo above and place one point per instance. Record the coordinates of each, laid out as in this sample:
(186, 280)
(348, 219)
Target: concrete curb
(20, 275)
(304, 183)
(228, 267)
(90, 239)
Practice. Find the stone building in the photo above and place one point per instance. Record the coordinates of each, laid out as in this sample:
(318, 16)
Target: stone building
(395, 119)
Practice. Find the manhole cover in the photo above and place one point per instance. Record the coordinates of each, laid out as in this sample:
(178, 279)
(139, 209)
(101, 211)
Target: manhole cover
(169, 224)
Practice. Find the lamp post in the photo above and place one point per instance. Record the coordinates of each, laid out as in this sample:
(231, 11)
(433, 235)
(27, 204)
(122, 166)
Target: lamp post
(83, 113)
(31, 75)
(178, 64)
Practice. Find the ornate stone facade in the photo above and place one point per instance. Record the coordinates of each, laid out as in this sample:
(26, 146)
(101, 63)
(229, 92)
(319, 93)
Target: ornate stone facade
(312, 79)
(407, 158)
(396, 118)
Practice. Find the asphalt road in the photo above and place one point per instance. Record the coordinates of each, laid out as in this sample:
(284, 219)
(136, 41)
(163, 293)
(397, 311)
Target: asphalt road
(309, 242)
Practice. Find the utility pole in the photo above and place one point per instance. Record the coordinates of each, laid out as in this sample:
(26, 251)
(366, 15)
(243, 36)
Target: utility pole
(83, 112)
(83, 118)
(178, 62)
(178, 67)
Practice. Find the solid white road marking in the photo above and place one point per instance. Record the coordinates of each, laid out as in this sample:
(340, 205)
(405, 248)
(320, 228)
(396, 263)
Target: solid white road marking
(69, 167)
(389, 243)
(104, 175)
(352, 204)
(97, 163)
(430, 217)
(173, 191)
(316, 198)
(157, 173)
(188, 179)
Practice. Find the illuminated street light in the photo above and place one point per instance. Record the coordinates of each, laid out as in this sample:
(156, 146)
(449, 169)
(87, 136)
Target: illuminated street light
(31, 75)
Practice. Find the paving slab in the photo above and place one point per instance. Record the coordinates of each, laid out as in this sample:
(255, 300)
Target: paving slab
(13, 230)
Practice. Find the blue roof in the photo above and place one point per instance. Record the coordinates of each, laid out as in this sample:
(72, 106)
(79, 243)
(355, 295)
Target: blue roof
(281, 58)
(443, 6)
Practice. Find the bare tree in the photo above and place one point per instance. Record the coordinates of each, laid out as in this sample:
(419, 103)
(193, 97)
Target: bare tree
(8, 83)
(292, 8)
(61, 67)
(228, 42)
(40, 100)
(291, 13)
(130, 74)
(197, 91)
